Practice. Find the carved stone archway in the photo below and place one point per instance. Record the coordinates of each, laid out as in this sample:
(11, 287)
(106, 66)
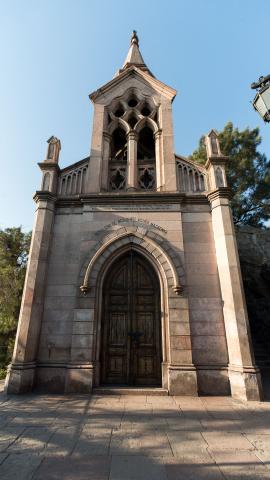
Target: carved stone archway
(178, 371)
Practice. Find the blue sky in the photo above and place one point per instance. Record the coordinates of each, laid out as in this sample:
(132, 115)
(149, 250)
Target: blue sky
(55, 52)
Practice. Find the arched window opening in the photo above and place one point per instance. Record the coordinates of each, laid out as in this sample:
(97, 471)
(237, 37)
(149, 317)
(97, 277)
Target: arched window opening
(146, 145)
(146, 159)
(119, 145)
(118, 161)
(119, 112)
(132, 121)
(146, 110)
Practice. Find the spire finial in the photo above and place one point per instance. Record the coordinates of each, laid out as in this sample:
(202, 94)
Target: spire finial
(134, 56)
(134, 38)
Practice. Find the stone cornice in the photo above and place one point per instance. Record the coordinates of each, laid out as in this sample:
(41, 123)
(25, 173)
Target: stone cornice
(130, 198)
(216, 160)
(221, 192)
(134, 71)
(49, 166)
(44, 195)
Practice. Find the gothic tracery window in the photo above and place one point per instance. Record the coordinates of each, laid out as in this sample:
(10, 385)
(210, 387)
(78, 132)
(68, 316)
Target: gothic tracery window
(118, 160)
(146, 159)
(136, 114)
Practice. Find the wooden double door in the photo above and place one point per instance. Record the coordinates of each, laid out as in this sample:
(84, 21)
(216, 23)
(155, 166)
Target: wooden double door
(131, 324)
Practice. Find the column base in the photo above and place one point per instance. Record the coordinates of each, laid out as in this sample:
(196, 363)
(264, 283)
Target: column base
(79, 378)
(20, 378)
(246, 383)
(182, 380)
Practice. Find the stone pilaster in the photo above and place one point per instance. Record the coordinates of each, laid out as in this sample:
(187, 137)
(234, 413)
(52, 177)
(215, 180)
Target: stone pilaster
(105, 161)
(244, 376)
(21, 374)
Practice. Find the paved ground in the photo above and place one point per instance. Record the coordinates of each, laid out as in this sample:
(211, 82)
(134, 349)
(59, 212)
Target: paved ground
(133, 438)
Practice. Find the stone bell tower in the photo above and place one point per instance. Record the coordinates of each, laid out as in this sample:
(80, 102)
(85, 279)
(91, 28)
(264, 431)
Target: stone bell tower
(132, 113)
(133, 277)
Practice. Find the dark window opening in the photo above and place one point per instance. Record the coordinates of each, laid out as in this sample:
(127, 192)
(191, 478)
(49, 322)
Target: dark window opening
(119, 112)
(146, 110)
(117, 181)
(132, 121)
(147, 180)
(132, 102)
(119, 145)
(146, 145)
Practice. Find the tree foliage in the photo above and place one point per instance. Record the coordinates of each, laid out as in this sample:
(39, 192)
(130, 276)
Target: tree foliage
(14, 248)
(248, 174)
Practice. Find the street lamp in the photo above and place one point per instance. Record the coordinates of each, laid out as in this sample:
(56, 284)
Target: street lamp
(261, 102)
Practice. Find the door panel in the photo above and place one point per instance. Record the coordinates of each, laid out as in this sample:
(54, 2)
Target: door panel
(131, 337)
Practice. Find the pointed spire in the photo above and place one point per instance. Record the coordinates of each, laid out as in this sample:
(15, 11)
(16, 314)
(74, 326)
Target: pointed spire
(134, 56)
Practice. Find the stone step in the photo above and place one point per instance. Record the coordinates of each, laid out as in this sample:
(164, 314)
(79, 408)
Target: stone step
(129, 391)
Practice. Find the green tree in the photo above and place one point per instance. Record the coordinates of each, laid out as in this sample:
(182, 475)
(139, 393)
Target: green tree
(14, 248)
(248, 174)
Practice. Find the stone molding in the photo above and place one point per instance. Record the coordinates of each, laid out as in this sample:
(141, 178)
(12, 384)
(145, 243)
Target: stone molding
(133, 236)
(44, 196)
(221, 192)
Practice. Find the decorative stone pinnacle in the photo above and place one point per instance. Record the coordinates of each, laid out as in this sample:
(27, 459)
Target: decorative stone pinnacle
(134, 38)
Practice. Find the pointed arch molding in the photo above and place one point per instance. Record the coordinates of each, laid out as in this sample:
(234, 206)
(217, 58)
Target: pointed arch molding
(119, 239)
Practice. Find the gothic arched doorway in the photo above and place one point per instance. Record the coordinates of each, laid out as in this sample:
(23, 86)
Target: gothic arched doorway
(131, 323)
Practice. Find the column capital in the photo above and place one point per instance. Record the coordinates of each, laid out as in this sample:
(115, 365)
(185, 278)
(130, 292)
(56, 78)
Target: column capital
(132, 135)
(157, 134)
(221, 192)
(107, 136)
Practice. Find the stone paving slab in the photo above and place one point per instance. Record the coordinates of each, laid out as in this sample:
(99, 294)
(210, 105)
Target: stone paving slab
(100, 437)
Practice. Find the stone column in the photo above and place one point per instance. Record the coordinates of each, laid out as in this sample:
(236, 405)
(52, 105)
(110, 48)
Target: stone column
(105, 161)
(244, 376)
(131, 173)
(21, 373)
(159, 163)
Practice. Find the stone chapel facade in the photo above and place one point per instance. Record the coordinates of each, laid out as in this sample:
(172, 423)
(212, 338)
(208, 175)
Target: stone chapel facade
(133, 276)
